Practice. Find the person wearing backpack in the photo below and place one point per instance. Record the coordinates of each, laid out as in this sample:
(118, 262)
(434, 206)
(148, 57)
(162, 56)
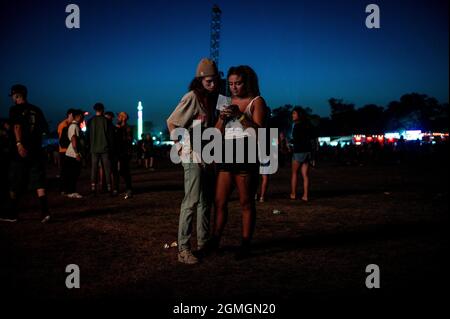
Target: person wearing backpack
(73, 156)
(27, 165)
(63, 145)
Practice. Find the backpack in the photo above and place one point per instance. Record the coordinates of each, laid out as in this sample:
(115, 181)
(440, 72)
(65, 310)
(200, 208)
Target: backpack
(64, 141)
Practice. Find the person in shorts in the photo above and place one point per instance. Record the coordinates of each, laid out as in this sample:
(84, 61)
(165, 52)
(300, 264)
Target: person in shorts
(247, 110)
(303, 141)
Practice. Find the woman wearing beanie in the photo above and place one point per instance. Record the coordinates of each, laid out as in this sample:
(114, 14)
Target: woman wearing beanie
(247, 110)
(198, 104)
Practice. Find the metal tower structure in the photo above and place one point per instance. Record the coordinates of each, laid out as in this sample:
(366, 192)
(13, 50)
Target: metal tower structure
(215, 34)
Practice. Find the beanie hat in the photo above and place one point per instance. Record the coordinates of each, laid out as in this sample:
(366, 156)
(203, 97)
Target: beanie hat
(206, 67)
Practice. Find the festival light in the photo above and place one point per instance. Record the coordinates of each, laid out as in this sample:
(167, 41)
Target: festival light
(394, 135)
(83, 124)
(140, 108)
(413, 135)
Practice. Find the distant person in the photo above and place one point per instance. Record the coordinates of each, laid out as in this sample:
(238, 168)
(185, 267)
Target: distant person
(100, 138)
(247, 110)
(264, 172)
(284, 150)
(63, 142)
(113, 155)
(198, 104)
(140, 150)
(28, 162)
(149, 152)
(303, 140)
(4, 162)
(264, 166)
(124, 147)
(73, 155)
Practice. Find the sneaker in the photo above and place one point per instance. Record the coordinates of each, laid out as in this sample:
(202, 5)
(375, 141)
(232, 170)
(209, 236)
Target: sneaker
(74, 195)
(244, 251)
(186, 257)
(46, 219)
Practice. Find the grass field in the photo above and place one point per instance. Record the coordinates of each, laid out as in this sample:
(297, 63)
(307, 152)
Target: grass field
(394, 216)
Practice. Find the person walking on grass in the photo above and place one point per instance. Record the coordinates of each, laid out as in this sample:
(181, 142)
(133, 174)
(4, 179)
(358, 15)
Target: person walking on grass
(28, 161)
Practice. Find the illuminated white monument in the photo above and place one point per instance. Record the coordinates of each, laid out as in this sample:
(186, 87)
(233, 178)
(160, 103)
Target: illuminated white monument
(139, 132)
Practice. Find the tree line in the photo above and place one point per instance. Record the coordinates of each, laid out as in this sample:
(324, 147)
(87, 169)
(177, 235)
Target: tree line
(412, 111)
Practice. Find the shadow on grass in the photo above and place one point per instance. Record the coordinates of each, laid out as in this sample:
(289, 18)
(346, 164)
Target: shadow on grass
(353, 236)
(328, 193)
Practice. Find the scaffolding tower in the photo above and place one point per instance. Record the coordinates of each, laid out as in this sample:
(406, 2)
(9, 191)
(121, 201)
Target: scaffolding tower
(215, 34)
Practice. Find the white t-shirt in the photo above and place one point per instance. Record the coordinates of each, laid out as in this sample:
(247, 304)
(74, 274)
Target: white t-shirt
(74, 129)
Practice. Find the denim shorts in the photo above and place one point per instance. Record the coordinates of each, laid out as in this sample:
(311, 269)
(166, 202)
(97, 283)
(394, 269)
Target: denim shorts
(302, 157)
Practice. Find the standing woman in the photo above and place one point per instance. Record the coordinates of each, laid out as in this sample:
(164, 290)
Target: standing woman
(303, 140)
(148, 150)
(247, 109)
(197, 105)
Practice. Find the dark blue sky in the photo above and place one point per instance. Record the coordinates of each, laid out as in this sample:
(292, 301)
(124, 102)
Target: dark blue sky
(303, 51)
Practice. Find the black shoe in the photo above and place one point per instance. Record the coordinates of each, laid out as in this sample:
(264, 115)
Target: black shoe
(243, 252)
(211, 247)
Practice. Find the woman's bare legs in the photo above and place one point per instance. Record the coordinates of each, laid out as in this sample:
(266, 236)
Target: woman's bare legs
(224, 185)
(294, 177)
(151, 161)
(243, 184)
(264, 184)
(305, 175)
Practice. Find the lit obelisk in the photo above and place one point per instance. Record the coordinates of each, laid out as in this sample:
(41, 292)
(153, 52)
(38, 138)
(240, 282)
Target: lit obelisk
(139, 132)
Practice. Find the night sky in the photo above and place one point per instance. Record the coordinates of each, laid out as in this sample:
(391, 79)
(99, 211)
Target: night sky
(303, 51)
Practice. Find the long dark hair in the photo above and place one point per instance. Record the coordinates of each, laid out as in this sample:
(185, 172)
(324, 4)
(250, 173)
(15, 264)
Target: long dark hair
(249, 78)
(303, 119)
(207, 98)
